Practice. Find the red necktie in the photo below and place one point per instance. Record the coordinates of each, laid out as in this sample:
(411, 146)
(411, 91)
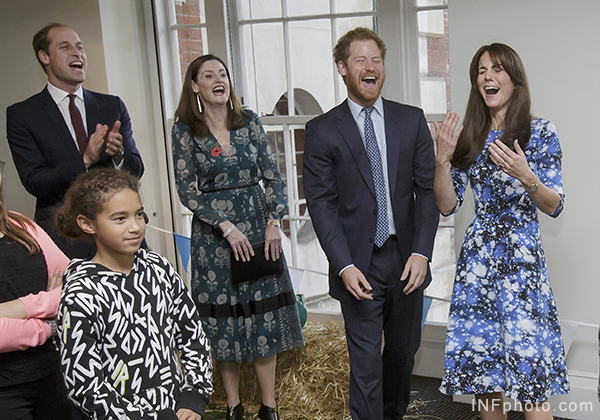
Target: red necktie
(77, 122)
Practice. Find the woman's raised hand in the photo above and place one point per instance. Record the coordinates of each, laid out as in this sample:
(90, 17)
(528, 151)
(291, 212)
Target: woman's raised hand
(446, 136)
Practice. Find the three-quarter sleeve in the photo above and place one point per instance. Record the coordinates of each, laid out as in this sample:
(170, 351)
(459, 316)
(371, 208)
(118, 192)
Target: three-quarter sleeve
(548, 163)
(460, 180)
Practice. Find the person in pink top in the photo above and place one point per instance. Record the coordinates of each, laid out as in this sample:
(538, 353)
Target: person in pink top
(29, 321)
(31, 385)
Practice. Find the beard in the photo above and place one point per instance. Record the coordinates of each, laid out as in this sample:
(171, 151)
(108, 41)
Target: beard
(361, 94)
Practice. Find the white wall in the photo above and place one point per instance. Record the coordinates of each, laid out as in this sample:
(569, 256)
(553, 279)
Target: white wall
(21, 76)
(132, 74)
(121, 61)
(557, 41)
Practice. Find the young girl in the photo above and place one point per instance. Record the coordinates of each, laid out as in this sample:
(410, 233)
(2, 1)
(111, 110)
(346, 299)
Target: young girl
(127, 324)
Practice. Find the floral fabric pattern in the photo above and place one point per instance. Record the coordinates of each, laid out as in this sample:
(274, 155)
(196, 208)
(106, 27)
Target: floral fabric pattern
(253, 319)
(503, 329)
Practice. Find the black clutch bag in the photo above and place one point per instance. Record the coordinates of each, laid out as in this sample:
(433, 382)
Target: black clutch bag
(256, 268)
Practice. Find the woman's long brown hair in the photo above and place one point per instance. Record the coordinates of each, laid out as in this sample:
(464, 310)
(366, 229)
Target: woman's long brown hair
(188, 110)
(14, 226)
(477, 121)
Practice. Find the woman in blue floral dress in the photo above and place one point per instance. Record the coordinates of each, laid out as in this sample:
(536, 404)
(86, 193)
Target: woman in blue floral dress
(221, 153)
(504, 334)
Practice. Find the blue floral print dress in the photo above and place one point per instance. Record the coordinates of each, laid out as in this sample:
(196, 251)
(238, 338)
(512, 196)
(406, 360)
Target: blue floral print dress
(503, 329)
(253, 319)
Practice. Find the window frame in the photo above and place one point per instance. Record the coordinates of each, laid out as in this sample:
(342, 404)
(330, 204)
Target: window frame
(238, 52)
(224, 29)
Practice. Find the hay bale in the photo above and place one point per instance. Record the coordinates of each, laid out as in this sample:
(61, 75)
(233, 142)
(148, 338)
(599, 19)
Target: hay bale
(311, 382)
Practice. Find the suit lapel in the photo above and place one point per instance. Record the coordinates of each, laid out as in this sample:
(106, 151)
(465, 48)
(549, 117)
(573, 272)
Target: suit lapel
(349, 131)
(393, 133)
(58, 121)
(92, 113)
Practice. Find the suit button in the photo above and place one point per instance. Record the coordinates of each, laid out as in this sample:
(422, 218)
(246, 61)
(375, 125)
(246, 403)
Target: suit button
(371, 240)
(375, 212)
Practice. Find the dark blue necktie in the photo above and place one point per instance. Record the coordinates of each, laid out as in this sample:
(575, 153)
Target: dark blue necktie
(382, 229)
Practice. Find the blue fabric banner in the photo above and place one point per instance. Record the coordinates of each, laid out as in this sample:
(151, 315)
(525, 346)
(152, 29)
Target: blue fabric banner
(426, 305)
(183, 246)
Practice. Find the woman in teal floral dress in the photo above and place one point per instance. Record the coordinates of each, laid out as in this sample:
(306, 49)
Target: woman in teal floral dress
(220, 154)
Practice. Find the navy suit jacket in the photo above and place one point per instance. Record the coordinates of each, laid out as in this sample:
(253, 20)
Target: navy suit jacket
(45, 153)
(340, 193)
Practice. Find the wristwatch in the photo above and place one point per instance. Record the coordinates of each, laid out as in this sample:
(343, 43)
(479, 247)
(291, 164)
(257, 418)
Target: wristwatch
(274, 222)
(533, 187)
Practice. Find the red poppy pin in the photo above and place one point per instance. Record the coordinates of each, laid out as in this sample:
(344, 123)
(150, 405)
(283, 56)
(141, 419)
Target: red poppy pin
(216, 151)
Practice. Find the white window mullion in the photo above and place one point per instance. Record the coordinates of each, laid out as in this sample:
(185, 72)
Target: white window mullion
(169, 72)
(238, 54)
(409, 60)
(336, 79)
(287, 42)
(168, 56)
(292, 186)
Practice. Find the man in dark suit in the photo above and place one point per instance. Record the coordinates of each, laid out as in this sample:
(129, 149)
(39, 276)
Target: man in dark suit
(49, 141)
(368, 180)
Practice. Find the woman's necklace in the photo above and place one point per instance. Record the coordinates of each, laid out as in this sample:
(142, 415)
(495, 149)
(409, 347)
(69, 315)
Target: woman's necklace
(219, 136)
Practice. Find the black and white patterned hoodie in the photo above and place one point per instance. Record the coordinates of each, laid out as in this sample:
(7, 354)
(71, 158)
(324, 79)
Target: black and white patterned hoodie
(125, 339)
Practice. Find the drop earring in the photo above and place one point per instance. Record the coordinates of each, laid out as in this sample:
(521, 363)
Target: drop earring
(199, 103)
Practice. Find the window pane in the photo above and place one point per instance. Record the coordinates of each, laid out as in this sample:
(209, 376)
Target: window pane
(190, 12)
(275, 138)
(248, 97)
(191, 45)
(434, 61)
(191, 41)
(350, 6)
(312, 64)
(260, 9)
(431, 22)
(346, 24)
(202, 11)
(423, 59)
(433, 95)
(307, 7)
(422, 3)
(264, 66)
